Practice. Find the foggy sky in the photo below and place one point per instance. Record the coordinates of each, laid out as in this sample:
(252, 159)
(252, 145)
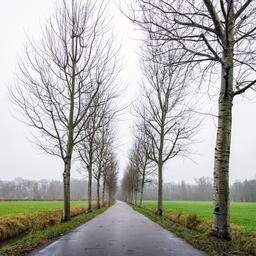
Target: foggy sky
(20, 158)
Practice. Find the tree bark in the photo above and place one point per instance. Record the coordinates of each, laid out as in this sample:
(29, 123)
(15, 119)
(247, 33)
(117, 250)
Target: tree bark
(70, 143)
(142, 188)
(89, 206)
(159, 210)
(109, 196)
(103, 191)
(136, 190)
(220, 225)
(98, 193)
(66, 183)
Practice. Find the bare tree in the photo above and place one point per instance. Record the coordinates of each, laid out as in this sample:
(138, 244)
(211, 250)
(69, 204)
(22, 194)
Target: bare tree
(101, 145)
(104, 140)
(92, 147)
(106, 165)
(166, 119)
(112, 179)
(130, 184)
(135, 180)
(218, 36)
(57, 82)
(134, 169)
(104, 178)
(140, 161)
(87, 149)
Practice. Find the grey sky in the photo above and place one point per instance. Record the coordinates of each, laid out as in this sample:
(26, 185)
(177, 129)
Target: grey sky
(20, 158)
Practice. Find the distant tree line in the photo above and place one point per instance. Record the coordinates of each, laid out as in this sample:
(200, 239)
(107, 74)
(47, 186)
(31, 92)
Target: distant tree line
(43, 189)
(243, 191)
(201, 190)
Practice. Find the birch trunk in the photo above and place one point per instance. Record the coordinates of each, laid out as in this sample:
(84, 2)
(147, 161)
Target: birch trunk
(159, 210)
(89, 206)
(142, 188)
(66, 183)
(136, 191)
(109, 196)
(67, 160)
(103, 191)
(70, 141)
(98, 193)
(220, 224)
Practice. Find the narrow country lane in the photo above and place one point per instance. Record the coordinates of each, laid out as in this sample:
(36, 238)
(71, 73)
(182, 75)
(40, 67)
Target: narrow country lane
(120, 231)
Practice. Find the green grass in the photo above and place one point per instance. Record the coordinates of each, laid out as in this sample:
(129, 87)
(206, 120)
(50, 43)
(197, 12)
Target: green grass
(11, 208)
(37, 238)
(244, 245)
(242, 214)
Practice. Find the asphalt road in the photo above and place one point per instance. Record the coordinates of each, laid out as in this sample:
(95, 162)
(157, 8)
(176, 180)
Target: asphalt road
(119, 231)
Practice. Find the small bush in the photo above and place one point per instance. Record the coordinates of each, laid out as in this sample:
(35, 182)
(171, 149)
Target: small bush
(193, 221)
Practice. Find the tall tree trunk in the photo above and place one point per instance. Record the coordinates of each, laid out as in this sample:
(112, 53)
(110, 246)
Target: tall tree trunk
(220, 225)
(70, 145)
(89, 206)
(98, 193)
(142, 188)
(70, 141)
(66, 183)
(159, 210)
(137, 190)
(109, 196)
(103, 191)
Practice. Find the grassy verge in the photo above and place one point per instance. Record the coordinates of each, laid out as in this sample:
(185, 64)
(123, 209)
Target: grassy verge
(37, 238)
(241, 213)
(20, 224)
(196, 232)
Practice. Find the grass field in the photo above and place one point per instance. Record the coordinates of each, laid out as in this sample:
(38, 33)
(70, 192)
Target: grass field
(242, 214)
(11, 208)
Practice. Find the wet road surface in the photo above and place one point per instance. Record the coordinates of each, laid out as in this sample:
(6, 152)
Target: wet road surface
(119, 231)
